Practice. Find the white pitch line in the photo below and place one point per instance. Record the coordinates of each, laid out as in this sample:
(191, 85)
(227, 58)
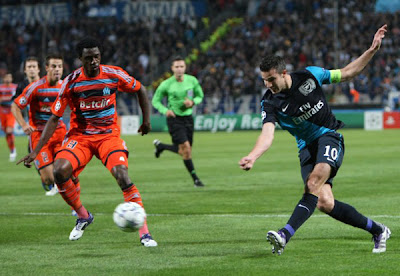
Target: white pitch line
(190, 215)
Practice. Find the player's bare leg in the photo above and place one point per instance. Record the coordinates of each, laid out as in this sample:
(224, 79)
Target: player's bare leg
(46, 175)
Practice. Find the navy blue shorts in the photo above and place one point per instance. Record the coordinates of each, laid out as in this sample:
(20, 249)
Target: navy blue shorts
(181, 129)
(329, 148)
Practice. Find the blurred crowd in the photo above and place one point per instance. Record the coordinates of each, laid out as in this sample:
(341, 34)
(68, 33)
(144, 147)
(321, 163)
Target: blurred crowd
(302, 31)
(125, 45)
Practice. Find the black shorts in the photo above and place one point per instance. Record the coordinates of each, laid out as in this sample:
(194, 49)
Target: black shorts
(329, 148)
(181, 129)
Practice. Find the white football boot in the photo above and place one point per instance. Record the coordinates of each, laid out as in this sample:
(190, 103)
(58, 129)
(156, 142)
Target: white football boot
(380, 240)
(147, 241)
(80, 227)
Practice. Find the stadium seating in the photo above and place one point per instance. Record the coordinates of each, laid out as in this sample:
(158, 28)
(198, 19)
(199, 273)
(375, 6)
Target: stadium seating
(302, 31)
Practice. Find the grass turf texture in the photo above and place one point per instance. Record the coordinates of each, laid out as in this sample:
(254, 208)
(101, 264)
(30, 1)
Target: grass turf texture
(219, 229)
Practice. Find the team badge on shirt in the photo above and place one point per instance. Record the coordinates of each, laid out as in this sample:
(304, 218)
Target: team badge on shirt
(106, 91)
(58, 106)
(22, 101)
(190, 93)
(307, 87)
(263, 115)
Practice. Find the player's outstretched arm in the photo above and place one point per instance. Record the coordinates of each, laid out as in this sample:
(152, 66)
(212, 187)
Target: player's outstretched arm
(48, 131)
(263, 143)
(355, 67)
(16, 111)
(145, 106)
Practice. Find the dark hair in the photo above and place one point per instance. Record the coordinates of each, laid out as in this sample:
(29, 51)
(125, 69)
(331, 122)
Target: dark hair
(32, 58)
(272, 62)
(87, 42)
(176, 58)
(53, 56)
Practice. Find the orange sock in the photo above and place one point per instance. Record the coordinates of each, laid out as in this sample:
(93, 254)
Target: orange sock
(70, 195)
(10, 141)
(144, 229)
(77, 188)
(132, 194)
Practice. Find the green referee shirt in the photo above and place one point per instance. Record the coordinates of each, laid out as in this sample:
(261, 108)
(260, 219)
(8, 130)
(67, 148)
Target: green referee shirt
(176, 92)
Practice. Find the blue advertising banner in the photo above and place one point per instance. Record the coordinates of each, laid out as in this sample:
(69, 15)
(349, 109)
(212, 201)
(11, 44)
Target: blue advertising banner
(123, 11)
(29, 14)
(131, 11)
(387, 6)
(156, 9)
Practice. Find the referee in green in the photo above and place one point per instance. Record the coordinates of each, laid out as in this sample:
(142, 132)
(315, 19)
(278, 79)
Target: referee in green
(183, 92)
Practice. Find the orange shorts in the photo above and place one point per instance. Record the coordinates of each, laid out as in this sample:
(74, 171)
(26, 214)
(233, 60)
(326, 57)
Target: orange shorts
(79, 149)
(47, 153)
(7, 120)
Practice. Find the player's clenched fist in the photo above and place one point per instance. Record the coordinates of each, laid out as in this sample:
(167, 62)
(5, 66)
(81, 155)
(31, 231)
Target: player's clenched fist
(246, 163)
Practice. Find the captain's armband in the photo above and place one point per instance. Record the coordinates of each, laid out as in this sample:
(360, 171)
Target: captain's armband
(336, 76)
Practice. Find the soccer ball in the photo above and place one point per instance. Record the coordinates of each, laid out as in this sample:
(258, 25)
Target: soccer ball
(129, 216)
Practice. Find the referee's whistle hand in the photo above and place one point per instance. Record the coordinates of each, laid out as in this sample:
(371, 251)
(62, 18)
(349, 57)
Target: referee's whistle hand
(188, 103)
(170, 113)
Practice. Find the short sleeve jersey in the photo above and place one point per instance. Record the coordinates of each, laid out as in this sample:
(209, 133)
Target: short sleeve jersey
(93, 100)
(176, 92)
(20, 88)
(6, 94)
(40, 96)
(303, 109)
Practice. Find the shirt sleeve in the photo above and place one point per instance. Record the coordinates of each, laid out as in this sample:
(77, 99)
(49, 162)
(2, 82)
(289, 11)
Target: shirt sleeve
(198, 92)
(158, 97)
(25, 97)
(19, 90)
(61, 101)
(127, 83)
(268, 112)
(325, 76)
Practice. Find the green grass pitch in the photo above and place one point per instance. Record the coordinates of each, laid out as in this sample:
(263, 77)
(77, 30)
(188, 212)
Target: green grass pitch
(217, 230)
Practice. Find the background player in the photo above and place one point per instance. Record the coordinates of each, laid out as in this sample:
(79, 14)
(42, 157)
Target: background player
(32, 73)
(39, 96)
(296, 101)
(183, 92)
(90, 91)
(7, 91)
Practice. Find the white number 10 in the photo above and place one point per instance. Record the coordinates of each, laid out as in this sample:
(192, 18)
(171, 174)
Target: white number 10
(333, 153)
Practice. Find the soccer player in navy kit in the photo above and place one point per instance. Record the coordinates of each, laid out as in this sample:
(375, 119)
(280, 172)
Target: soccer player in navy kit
(296, 101)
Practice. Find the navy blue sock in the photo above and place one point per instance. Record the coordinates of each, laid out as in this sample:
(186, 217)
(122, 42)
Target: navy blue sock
(304, 209)
(349, 215)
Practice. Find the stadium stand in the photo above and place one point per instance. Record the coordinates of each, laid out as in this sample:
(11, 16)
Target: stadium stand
(227, 70)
